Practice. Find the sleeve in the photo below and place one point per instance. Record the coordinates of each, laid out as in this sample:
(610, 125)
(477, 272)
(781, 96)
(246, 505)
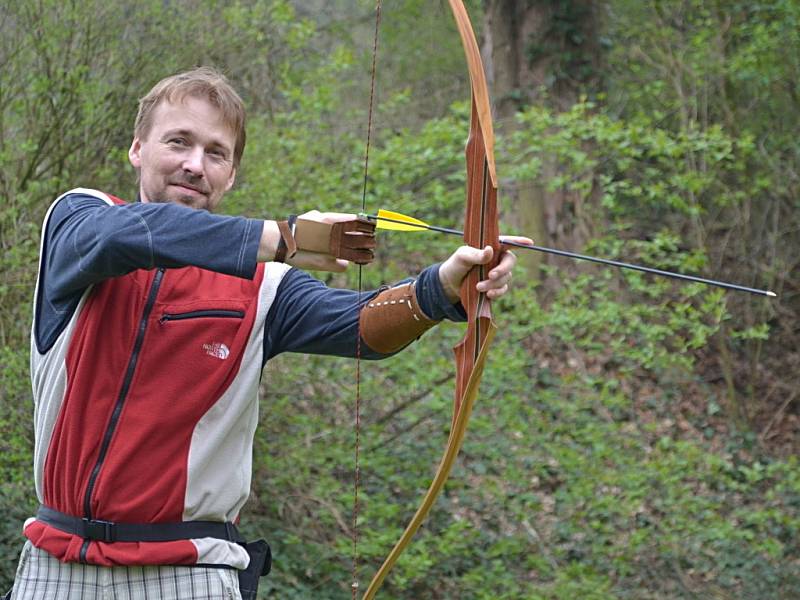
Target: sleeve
(309, 317)
(87, 240)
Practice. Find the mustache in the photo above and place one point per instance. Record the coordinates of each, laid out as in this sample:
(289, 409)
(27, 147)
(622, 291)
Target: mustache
(192, 183)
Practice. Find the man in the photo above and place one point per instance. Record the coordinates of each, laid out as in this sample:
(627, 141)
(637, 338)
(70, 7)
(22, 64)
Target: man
(152, 323)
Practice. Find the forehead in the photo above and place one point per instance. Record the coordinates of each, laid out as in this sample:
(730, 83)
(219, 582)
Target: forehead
(192, 115)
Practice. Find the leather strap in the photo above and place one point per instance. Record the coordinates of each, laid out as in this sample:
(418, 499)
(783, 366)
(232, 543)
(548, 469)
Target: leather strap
(106, 531)
(287, 247)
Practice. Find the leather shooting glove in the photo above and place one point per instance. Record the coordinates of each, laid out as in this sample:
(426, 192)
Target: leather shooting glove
(352, 239)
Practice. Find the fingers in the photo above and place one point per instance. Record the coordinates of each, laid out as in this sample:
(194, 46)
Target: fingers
(327, 217)
(499, 277)
(496, 293)
(455, 268)
(468, 257)
(316, 261)
(516, 239)
(453, 271)
(495, 287)
(497, 283)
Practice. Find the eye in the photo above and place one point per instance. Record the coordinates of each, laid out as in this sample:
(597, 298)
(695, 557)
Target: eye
(177, 141)
(218, 154)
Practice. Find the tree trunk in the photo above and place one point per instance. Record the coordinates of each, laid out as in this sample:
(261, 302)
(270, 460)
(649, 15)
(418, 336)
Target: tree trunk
(543, 52)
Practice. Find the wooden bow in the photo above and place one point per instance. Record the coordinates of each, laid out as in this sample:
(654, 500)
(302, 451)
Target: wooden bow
(480, 229)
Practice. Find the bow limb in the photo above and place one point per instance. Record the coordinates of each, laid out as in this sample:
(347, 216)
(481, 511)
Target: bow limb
(442, 473)
(480, 229)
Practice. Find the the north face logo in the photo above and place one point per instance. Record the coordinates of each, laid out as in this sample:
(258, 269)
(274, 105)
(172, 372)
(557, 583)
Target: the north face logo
(217, 350)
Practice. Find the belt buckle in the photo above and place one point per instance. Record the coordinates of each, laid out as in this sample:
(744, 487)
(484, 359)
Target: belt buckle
(98, 530)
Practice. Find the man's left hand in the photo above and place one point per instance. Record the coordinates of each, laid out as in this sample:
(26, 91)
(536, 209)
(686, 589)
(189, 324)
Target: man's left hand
(453, 271)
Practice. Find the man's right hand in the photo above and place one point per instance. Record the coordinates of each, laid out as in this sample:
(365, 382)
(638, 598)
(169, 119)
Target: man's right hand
(359, 235)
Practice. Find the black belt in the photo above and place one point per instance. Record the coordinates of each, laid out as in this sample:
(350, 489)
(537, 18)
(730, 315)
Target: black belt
(106, 531)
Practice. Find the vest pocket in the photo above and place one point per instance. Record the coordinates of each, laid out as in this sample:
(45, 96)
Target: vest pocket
(202, 314)
(187, 333)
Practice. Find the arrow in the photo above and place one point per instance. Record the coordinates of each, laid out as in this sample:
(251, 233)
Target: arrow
(394, 221)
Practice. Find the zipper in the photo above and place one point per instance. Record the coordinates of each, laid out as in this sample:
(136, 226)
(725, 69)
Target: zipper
(123, 393)
(202, 314)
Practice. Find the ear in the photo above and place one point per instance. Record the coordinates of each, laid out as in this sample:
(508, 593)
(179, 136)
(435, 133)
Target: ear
(135, 153)
(231, 180)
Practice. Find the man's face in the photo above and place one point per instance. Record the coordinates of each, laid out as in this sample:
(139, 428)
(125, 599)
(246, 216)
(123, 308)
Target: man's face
(188, 155)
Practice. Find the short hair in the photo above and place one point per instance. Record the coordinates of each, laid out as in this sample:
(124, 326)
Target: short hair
(202, 82)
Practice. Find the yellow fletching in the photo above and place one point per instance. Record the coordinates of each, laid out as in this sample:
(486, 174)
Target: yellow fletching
(408, 223)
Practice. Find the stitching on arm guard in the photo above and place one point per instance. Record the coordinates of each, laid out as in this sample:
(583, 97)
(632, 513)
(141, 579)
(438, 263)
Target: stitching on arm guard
(393, 319)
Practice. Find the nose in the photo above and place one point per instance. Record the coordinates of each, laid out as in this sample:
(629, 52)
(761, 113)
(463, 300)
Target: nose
(193, 161)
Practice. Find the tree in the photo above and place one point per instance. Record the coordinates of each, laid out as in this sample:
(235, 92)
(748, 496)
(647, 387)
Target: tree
(546, 53)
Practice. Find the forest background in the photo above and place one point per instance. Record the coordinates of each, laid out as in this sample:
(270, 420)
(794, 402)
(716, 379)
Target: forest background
(633, 437)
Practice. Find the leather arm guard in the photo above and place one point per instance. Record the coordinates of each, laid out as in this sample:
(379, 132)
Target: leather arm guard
(393, 319)
(352, 240)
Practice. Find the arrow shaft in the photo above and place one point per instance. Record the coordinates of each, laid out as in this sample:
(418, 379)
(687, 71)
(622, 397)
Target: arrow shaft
(594, 259)
(624, 265)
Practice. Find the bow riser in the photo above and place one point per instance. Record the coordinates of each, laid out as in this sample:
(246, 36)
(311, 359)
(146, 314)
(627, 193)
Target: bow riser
(480, 230)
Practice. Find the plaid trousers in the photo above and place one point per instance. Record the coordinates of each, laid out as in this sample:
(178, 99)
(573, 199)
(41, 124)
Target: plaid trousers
(42, 577)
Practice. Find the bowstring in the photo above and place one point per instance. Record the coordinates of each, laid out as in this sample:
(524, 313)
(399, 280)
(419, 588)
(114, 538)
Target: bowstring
(357, 476)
